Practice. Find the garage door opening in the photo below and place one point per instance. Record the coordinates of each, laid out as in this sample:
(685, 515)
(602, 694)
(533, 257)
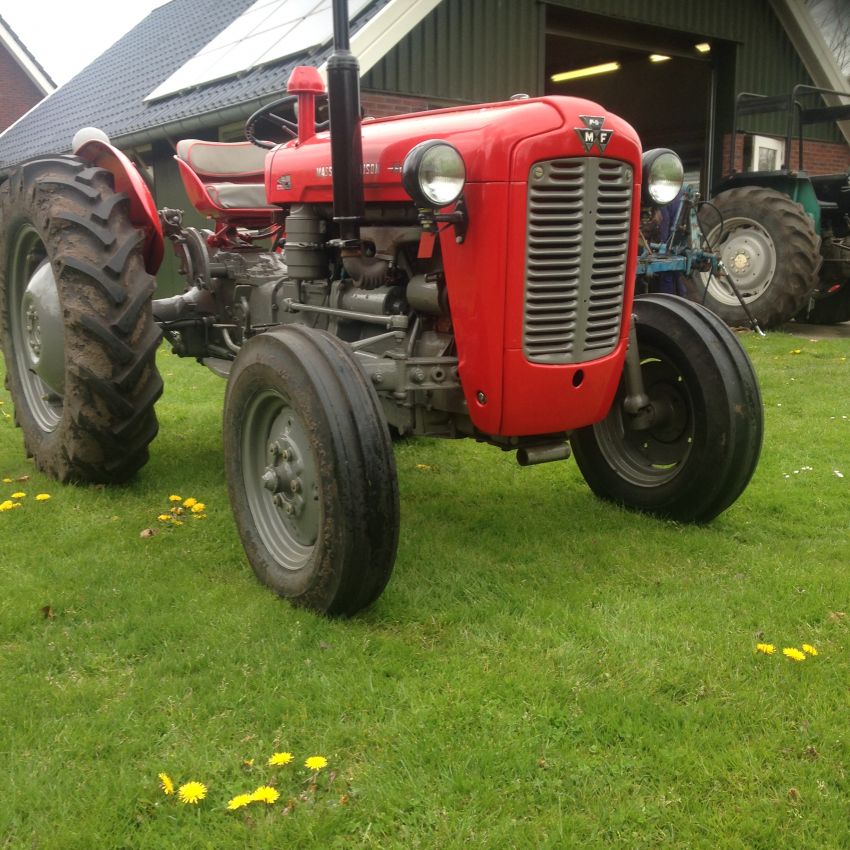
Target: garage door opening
(660, 80)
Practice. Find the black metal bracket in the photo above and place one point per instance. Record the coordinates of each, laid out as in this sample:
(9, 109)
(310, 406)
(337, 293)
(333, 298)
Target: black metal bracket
(458, 217)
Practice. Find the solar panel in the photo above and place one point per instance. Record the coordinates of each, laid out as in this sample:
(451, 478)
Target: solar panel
(267, 31)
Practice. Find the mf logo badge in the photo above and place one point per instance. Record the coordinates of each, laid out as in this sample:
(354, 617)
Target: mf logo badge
(593, 134)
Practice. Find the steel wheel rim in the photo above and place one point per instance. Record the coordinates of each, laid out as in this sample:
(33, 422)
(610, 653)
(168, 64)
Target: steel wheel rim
(28, 263)
(654, 456)
(749, 257)
(280, 475)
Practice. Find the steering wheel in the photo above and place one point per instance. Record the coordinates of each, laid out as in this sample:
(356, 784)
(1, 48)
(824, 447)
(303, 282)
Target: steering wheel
(269, 113)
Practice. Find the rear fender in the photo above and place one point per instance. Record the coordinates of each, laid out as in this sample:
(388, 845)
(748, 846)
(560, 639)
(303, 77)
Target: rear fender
(143, 212)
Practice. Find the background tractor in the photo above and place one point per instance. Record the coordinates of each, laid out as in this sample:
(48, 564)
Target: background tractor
(466, 272)
(783, 237)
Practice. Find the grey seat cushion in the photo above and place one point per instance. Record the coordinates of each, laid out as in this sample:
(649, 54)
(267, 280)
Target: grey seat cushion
(221, 159)
(239, 196)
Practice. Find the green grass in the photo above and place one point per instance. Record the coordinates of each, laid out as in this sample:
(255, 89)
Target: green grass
(544, 669)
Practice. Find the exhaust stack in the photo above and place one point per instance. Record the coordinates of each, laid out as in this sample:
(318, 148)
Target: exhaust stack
(346, 141)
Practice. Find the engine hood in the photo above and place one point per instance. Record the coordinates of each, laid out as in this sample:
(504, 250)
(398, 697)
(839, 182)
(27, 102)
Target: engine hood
(486, 136)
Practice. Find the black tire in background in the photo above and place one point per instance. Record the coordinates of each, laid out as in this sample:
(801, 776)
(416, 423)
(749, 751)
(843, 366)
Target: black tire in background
(830, 304)
(701, 452)
(78, 335)
(310, 470)
(769, 248)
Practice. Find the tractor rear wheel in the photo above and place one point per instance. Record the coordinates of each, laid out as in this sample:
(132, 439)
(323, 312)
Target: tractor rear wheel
(702, 444)
(769, 249)
(79, 339)
(310, 470)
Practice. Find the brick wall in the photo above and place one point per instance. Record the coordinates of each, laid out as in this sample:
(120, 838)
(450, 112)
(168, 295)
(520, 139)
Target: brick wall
(19, 92)
(383, 104)
(818, 157)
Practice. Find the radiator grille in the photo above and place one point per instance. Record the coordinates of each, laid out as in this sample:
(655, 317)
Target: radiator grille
(579, 211)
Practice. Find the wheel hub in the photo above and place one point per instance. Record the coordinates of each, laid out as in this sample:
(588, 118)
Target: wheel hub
(282, 477)
(648, 457)
(740, 263)
(749, 257)
(43, 331)
(283, 481)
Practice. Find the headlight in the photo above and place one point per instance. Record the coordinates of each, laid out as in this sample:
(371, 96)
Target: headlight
(433, 174)
(663, 175)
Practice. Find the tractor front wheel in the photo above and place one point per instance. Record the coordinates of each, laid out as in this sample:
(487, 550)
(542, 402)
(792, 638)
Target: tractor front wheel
(699, 447)
(78, 335)
(310, 470)
(769, 249)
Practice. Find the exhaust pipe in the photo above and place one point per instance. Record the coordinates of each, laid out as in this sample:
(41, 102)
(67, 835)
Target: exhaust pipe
(346, 141)
(546, 453)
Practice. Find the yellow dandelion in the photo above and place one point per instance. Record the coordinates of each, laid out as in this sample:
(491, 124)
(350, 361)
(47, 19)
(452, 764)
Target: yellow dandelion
(198, 508)
(809, 649)
(19, 495)
(265, 794)
(192, 793)
(166, 784)
(794, 654)
(7, 505)
(42, 497)
(7, 480)
(422, 466)
(189, 502)
(766, 648)
(239, 801)
(174, 498)
(277, 759)
(796, 350)
(316, 762)
(164, 517)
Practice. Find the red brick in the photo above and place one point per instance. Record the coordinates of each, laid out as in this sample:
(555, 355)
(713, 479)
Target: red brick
(19, 92)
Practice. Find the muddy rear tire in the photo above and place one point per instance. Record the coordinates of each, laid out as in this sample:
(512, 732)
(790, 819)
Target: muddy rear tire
(769, 248)
(78, 335)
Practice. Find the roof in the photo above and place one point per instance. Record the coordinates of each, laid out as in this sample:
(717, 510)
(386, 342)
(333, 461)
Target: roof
(110, 93)
(820, 61)
(28, 63)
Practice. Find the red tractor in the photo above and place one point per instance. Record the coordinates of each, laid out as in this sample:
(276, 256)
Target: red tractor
(467, 272)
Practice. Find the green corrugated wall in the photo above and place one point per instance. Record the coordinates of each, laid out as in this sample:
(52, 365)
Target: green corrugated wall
(474, 50)
(482, 50)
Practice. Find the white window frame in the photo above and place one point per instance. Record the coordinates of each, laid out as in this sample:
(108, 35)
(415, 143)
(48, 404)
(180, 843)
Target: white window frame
(766, 143)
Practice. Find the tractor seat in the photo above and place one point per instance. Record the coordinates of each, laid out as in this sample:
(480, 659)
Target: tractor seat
(230, 175)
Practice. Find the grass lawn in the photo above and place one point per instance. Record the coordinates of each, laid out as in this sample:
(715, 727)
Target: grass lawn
(544, 669)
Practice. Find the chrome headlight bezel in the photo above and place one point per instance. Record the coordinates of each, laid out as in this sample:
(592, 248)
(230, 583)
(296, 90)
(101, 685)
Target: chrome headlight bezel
(663, 176)
(434, 174)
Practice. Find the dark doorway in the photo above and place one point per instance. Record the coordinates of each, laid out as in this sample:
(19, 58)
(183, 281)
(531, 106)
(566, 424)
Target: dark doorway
(668, 102)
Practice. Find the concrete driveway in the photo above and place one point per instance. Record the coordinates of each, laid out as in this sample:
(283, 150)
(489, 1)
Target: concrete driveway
(841, 331)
